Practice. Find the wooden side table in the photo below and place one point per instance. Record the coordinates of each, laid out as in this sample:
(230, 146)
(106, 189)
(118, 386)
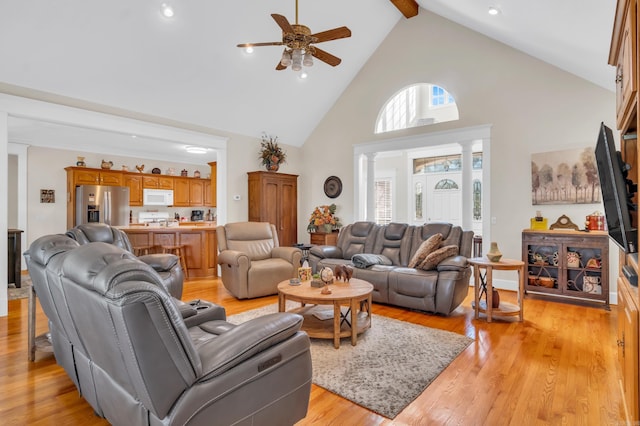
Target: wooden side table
(486, 283)
(323, 239)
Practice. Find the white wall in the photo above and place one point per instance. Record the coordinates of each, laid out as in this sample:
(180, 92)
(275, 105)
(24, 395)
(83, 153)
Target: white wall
(531, 107)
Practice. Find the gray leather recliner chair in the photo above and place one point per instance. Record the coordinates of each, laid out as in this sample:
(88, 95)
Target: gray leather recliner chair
(138, 363)
(167, 265)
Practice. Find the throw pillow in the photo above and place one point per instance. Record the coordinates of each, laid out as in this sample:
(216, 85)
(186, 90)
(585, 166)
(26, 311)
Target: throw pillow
(427, 246)
(432, 259)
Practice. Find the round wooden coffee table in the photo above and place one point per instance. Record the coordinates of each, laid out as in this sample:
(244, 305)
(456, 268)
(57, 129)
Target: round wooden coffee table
(322, 324)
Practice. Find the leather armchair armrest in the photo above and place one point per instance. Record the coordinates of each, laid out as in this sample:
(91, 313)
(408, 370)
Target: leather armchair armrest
(197, 311)
(324, 252)
(287, 253)
(454, 263)
(161, 262)
(246, 340)
(233, 257)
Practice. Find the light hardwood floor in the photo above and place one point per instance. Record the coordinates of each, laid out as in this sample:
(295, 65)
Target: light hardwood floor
(559, 367)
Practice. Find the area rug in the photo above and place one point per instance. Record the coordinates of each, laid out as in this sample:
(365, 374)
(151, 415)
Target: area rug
(392, 364)
(23, 291)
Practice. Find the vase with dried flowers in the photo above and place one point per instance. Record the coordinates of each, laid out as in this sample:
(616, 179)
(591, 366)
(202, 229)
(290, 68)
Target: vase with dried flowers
(324, 219)
(271, 154)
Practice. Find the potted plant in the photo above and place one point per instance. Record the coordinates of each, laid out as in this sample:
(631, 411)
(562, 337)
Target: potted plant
(323, 218)
(271, 155)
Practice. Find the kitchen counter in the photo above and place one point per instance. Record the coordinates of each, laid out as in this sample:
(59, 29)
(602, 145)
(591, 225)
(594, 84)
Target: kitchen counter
(156, 227)
(199, 239)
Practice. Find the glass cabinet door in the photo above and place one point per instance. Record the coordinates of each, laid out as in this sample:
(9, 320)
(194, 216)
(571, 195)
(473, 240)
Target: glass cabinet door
(542, 265)
(584, 273)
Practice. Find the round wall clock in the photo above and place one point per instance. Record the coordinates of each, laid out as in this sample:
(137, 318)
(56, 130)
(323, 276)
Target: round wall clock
(332, 187)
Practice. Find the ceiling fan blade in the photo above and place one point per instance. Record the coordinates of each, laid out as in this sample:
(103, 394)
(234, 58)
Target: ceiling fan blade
(280, 67)
(334, 34)
(282, 23)
(326, 57)
(271, 43)
(409, 8)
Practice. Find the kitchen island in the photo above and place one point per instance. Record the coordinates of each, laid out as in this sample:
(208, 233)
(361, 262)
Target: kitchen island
(199, 239)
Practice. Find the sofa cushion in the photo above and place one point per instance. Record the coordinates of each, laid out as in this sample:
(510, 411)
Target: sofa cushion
(437, 256)
(427, 247)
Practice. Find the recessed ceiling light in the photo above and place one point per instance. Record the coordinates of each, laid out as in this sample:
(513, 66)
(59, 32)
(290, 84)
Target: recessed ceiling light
(167, 10)
(196, 150)
(493, 10)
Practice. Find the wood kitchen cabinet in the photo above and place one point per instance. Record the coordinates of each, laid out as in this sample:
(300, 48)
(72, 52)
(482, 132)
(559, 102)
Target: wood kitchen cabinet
(188, 192)
(210, 187)
(628, 345)
(181, 192)
(84, 176)
(134, 182)
(196, 192)
(157, 182)
(624, 56)
(273, 198)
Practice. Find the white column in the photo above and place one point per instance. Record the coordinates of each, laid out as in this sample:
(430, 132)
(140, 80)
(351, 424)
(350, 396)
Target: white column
(371, 186)
(467, 185)
(4, 189)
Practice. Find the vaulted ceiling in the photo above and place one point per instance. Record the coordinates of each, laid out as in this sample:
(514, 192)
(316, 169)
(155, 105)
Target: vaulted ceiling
(125, 54)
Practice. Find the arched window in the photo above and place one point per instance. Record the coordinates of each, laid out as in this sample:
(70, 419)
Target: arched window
(446, 184)
(417, 105)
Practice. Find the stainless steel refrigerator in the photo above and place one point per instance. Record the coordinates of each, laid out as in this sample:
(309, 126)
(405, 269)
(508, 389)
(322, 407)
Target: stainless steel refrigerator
(102, 204)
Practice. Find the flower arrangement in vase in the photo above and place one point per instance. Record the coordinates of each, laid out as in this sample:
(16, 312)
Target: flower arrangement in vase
(271, 155)
(323, 218)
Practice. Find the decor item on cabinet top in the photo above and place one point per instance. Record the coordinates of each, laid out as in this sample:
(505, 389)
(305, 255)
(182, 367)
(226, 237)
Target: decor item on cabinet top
(271, 155)
(595, 221)
(171, 171)
(80, 162)
(106, 164)
(324, 219)
(196, 174)
(140, 168)
(184, 172)
(125, 168)
(155, 171)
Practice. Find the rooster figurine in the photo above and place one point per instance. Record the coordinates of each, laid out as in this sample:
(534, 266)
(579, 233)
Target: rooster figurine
(140, 168)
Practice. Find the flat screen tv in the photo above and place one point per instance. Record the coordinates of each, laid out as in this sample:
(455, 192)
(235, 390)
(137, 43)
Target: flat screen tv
(617, 191)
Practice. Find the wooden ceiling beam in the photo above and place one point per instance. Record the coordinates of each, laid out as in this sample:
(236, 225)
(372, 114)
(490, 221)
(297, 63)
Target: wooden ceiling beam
(409, 8)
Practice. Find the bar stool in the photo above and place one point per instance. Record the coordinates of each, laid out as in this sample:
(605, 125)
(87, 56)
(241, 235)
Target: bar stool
(141, 250)
(178, 250)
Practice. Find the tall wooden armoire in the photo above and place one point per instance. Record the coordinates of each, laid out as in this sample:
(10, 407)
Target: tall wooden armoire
(273, 198)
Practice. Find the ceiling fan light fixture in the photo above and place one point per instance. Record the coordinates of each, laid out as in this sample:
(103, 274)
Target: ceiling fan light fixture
(308, 59)
(296, 58)
(286, 58)
(248, 49)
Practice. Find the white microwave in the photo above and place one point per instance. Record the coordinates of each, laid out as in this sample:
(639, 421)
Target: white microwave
(157, 197)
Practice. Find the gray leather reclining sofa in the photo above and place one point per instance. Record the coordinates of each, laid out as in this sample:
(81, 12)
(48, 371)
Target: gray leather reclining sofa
(123, 342)
(440, 290)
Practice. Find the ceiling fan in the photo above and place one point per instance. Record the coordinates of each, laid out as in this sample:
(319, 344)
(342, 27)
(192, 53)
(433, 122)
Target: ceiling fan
(300, 43)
